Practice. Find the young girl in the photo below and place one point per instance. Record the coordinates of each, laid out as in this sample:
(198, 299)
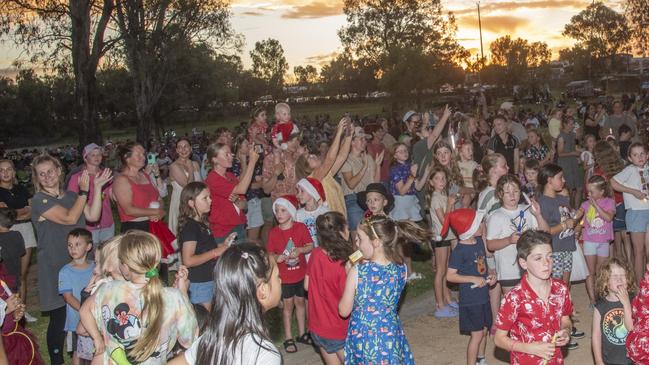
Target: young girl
(569, 153)
(505, 226)
(468, 267)
(636, 342)
(612, 317)
(537, 150)
(198, 246)
(440, 206)
(139, 320)
(598, 213)
(466, 164)
(633, 183)
(444, 158)
(372, 293)
(247, 286)
(325, 282)
(311, 195)
(586, 158)
(534, 320)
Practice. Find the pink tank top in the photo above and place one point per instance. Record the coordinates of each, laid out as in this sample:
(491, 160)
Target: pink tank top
(142, 195)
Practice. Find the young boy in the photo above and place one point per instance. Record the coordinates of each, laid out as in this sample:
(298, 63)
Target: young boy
(288, 243)
(284, 128)
(312, 196)
(467, 266)
(12, 247)
(375, 200)
(625, 135)
(73, 278)
(534, 321)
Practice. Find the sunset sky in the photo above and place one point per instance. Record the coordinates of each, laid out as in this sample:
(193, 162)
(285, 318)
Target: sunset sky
(307, 29)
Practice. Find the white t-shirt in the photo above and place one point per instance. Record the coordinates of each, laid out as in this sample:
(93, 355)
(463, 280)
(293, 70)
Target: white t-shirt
(252, 353)
(488, 201)
(501, 224)
(630, 177)
(308, 218)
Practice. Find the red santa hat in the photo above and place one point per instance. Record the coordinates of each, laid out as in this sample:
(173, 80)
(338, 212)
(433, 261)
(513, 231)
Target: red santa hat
(289, 202)
(313, 187)
(464, 221)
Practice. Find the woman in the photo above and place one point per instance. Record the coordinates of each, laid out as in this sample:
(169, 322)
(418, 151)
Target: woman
(55, 212)
(138, 199)
(255, 192)
(15, 196)
(182, 172)
(324, 170)
(228, 193)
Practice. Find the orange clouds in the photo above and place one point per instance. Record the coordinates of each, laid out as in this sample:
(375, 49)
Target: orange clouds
(494, 23)
(321, 59)
(313, 10)
(509, 6)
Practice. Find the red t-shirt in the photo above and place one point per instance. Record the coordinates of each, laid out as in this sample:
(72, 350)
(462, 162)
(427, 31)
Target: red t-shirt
(291, 271)
(326, 286)
(528, 319)
(224, 214)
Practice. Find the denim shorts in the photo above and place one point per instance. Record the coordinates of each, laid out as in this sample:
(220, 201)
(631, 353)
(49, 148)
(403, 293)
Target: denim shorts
(330, 346)
(354, 211)
(637, 220)
(619, 223)
(200, 293)
(254, 216)
(600, 249)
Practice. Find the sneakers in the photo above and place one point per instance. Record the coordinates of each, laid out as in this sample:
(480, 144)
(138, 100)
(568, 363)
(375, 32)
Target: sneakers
(414, 276)
(481, 361)
(572, 345)
(29, 318)
(577, 334)
(454, 305)
(446, 312)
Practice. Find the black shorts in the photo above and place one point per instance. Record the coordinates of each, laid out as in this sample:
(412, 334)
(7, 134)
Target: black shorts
(440, 244)
(293, 290)
(509, 283)
(475, 318)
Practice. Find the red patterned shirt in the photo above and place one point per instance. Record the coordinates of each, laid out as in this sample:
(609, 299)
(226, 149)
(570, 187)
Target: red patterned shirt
(529, 319)
(637, 342)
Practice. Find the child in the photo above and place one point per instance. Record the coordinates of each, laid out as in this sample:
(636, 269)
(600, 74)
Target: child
(522, 161)
(375, 200)
(637, 341)
(444, 157)
(440, 206)
(586, 158)
(466, 164)
(284, 128)
(325, 282)
(198, 246)
(139, 320)
(288, 243)
(505, 226)
(624, 141)
(534, 321)
(311, 194)
(235, 333)
(537, 149)
(612, 317)
(372, 293)
(73, 278)
(467, 267)
(633, 183)
(598, 213)
(531, 171)
(12, 247)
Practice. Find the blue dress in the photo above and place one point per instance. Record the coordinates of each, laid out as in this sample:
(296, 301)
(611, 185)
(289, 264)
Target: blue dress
(375, 335)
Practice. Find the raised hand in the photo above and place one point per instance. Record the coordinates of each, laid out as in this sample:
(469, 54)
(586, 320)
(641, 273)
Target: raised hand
(413, 169)
(379, 158)
(84, 181)
(103, 178)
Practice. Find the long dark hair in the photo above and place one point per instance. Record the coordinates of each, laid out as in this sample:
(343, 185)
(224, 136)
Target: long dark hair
(393, 234)
(329, 226)
(185, 212)
(548, 171)
(236, 312)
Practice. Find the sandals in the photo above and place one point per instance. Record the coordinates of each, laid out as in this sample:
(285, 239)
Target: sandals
(305, 339)
(290, 344)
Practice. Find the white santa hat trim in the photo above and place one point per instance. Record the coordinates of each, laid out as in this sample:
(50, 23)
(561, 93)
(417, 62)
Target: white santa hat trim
(292, 210)
(309, 189)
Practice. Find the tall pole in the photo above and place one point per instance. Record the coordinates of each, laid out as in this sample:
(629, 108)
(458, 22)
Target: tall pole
(481, 47)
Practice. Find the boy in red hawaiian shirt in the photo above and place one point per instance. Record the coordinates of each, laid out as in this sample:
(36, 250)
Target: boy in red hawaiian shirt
(536, 312)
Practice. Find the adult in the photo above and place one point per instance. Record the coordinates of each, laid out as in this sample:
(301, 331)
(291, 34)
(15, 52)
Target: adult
(181, 172)
(55, 212)
(228, 193)
(504, 143)
(388, 139)
(591, 123)
(470, 133)
(15, 196)
(375, 147)
(358, 171)
(613, 122)
(104, 228)
(223, 136)
(137, 193)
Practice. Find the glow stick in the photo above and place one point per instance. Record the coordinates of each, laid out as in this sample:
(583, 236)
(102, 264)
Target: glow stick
(529, 202)
(453, 141)
(554, 339)
(6, 288)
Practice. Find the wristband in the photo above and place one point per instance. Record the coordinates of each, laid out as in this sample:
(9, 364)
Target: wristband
(83, 193)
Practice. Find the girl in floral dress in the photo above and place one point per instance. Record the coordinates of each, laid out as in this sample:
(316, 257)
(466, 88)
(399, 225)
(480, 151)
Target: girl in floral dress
(372, 293)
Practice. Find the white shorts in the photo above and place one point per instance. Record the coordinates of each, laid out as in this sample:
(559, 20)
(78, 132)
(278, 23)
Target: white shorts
(27, 231)
(254, 216)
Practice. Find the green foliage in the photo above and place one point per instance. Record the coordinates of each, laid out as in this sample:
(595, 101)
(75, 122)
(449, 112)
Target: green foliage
(305, 75)
(514, 58)
(346, 75)
(269, 64)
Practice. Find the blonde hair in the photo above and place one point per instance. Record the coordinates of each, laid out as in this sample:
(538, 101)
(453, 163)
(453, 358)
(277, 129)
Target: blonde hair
(106, 252)
(453, 174)
(393, 234)
(13, 167)
(481, 176)
(213, 151)
(41, 159)
(279, 106)
(601, 283)
(140, 251)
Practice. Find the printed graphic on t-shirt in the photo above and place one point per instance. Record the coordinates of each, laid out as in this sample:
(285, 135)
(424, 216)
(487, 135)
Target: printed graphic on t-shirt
(566, 213)
(613, 326)
(595, 222)
(644, 180)
(292, 263)
(519, 223)
(480, 264)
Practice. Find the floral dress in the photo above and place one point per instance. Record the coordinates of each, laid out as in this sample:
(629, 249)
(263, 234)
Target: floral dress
(375, 335)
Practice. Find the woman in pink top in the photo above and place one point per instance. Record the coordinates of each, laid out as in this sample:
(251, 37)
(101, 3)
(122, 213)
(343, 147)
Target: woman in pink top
(138, 200)
(228, 193)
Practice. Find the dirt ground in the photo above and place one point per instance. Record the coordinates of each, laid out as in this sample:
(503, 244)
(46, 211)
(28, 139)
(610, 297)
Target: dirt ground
(438, 341)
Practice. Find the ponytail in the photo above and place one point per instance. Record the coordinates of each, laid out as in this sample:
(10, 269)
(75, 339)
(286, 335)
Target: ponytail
(481, 176)
(393, 234)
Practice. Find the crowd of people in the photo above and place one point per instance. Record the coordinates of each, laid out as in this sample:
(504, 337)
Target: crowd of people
(323, 220)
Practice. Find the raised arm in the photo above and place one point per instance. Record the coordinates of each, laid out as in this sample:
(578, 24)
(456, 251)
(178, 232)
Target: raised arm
(246, 178)
(332, 154)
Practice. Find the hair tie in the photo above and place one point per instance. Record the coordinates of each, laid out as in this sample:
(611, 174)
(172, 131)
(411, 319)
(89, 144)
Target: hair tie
(152, 273)
(245, 255)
